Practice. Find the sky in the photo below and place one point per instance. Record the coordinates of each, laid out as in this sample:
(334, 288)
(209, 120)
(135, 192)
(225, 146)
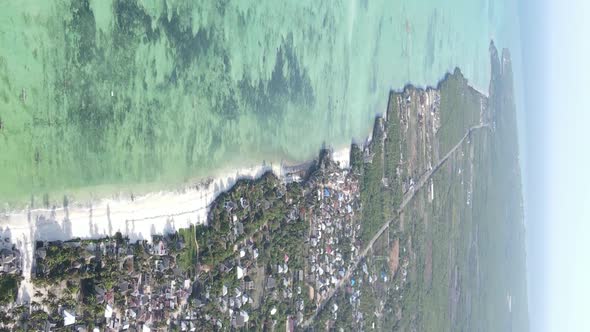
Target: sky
(556, 68)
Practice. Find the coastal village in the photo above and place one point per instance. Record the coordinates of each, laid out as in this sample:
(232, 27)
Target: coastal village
(251, 271)
(275, 279)
(120, 284)
(273, 254)
(325, 246)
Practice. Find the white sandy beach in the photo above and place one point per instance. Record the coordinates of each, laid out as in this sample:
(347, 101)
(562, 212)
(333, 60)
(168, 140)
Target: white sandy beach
(342, 156)
(147, 215)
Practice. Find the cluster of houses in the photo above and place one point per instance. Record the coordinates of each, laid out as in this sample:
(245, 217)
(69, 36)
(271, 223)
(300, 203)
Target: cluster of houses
(149, 289)
(145, 289)
(236, 297)
(285, 284)
(427, 104)
(333, 232)
(10, 260)
(247, 281)
(424, 107)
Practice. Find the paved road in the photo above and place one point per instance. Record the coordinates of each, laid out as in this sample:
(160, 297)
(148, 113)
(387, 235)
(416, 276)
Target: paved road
(407, 199)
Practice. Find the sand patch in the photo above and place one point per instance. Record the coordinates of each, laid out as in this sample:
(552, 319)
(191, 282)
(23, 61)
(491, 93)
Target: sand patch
(394, 257)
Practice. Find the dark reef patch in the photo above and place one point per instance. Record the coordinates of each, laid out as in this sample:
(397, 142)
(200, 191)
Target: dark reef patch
(289, 84)
(84, 23)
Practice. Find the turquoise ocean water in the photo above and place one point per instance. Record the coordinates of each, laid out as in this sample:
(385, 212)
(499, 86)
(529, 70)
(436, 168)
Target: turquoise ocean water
(119, 94)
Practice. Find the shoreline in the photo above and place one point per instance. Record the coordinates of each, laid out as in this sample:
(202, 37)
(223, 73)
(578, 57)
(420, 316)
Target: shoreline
(154, 213)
